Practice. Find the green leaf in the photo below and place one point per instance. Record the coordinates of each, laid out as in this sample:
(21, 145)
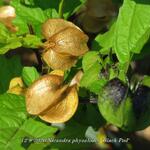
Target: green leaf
(51, 13)
(86, 113)
(32, 14)
(69, 7)
(11, 103)
(132, 29)
(92, 67)
(1, 3)
(46, 4)
(89, 59)
(10, 67)
(4, 34)
(118, 1)
(145, 52)
(91, 80)
(104, 42)
(16, 126)
(91, 75)
(28, 2)
(10, 121)
(9, 46)
(28, 16)
(71, 134)
(21, 25)
(91, 133)
(31, 41)
(122, 72)
(8, 40)
(12, 43)
(38, 146)
(146, 81)
(29, 74)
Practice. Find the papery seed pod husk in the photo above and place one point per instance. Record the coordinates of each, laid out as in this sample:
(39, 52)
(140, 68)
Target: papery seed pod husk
(64, 109)
(17, 90)
(16, 81)
(58, 61)
(76, 79)
(16, 86)
(43, 93)
(53, 26)
(65, 41)
(58, 72)
(69, 41)
(7, 14)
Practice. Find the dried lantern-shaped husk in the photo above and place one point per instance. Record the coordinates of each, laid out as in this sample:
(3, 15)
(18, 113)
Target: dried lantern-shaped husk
(7, 14)
(58, 61)
(16, 81)
(67, 106)
(53, 26)
(65, 42)
(63, 110)
(76, 79)
(16, 86)
(69, 41)
(43, 93)
(51, 100)
(58, 72)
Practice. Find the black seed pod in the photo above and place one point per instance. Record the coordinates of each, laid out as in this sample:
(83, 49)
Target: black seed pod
(129, 111)
(115, 104)
(116, 90)
(141, 100)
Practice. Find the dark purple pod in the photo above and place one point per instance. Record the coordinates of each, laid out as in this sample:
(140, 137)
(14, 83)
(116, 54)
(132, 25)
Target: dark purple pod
(141, 106)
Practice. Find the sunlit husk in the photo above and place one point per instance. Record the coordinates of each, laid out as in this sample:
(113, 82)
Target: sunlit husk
(7, 14)
(76, 79)
(58, 72)
(16, 86)
(64, 109)
(42, 93)
(17, 81)
(53, 26)
(17, 90)
(58, 61)
(70, 41)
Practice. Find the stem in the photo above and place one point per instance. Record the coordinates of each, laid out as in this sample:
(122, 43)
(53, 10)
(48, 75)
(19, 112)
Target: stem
(128, 64)
(124, 68)
(31, 29)
(110, 56)
(88, 101)
(60, 11)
